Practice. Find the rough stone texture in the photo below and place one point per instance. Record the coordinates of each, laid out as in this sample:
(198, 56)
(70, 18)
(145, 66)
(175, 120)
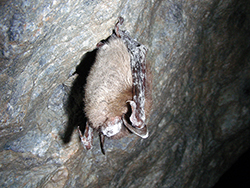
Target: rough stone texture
(199, 125)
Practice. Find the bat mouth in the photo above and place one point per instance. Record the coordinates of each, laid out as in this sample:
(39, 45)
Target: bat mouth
(112, 127)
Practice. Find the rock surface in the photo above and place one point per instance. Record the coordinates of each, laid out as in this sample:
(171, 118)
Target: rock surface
(199, 53)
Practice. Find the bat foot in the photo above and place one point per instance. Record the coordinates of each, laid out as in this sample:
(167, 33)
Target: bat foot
(117, 25)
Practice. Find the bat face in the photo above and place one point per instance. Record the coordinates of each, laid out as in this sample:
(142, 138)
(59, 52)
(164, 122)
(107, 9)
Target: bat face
(116, 101)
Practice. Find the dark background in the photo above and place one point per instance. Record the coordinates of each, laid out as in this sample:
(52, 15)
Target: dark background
(238, 175)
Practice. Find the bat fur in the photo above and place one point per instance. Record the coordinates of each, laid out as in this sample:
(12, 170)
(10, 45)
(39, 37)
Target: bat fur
(109, 87)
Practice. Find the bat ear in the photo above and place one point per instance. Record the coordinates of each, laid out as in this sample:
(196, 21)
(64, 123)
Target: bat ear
(142, 132)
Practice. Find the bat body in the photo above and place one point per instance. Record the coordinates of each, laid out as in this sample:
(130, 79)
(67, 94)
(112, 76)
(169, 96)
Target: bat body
(117, 93)
(109, 87)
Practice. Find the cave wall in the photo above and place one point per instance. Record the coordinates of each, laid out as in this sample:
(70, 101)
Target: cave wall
(199, 124)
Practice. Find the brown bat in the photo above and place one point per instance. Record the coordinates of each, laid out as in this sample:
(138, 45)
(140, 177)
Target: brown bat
(117, 91)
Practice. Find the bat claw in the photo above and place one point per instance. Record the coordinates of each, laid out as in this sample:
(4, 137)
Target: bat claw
(117, 25)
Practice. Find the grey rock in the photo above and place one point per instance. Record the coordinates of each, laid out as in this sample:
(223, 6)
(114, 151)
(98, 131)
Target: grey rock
(200, 122)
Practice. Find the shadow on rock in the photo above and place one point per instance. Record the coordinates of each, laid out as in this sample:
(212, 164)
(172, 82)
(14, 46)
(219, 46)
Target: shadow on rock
(75, 105)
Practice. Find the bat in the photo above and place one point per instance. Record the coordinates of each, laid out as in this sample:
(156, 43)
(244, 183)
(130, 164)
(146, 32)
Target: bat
(117, 97)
